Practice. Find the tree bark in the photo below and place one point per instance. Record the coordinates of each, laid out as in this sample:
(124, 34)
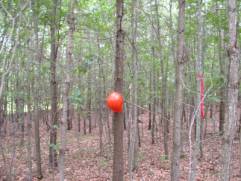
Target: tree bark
(66, 121)
(231, 113)
(118, 160)
(89, 99)
(199, 76)
(101, 91)
(39, 174)
(163, 84)
(222, 91)
(29, 133)
(53, 87)
(133, 146)
(178, 105)
(69, 56)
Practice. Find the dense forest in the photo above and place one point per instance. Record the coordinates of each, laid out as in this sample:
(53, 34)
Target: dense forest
(139, 90)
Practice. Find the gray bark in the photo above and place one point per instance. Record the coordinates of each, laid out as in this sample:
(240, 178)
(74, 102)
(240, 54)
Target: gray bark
(118, 126)
(29, 140)
(199, 71)
(53, 87)
(231, 114)
(65, 121)
(133, 146)
(222, 63)
(178, 105)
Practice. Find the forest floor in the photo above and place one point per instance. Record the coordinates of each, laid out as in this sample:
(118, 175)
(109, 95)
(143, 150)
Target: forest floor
(83, 162)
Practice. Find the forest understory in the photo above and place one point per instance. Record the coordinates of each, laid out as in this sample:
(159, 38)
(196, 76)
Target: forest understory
(84, 162)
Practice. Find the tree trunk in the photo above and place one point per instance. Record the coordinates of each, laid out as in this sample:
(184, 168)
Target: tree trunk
(69, 54)
(66, 121)
(84, 126)
(118, 160)
(133, 146)
(63, 123)
(153, 125)
(175, 172)
(89, 99)
(153, 94)
(53, 87)
(231, 115)
(79, 120)
(39, 174)
(149, 116)
(199, 78)
(101, 91)
(29, 127)
(222, 91)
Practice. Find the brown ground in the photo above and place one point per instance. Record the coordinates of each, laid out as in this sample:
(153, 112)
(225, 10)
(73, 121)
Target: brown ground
(83, 162)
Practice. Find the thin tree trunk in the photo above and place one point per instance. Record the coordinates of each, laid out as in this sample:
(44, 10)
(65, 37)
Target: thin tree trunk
(5, 111)
(222, 91)
(66, 121)
(153, 96)
(232, 92)
(29, 127)
(53, 87)
(133, 146)
(63, 123)
(153, 125)
(175, 172)
(199, 77)
(21, 116)
(100, 122)
(89, 99)
(79, 120)
(39, 174)
(84, 126)
(19, 107)
(101, 91)
(240, 138)
(163, 84)
(118, 160)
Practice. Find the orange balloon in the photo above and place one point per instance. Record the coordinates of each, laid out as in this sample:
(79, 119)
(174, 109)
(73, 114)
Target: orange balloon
(115, 102)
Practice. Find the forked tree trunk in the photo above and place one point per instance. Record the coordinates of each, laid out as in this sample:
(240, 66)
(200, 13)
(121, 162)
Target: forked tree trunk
(118, 127)
(231, 114)
(175, 170)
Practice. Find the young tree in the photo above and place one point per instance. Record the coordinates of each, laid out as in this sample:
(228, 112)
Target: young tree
(199, 77)
(118, 126)
(133, 131)
(53, 86)
(231, 114)
(39, 174)
(222, 57)
(178, 105)
(65, 121)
